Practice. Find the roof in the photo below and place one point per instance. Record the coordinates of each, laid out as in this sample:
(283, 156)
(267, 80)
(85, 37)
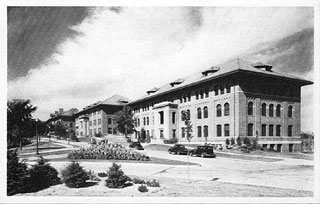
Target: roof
(66, 114)
(229, 67)
(115, 100)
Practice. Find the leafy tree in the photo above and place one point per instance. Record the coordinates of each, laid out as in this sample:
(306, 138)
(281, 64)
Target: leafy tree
(125, 121)
(18, 117)
(60, 129)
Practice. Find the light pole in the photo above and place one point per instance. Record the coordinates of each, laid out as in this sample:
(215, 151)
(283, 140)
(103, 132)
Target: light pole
(37, 136)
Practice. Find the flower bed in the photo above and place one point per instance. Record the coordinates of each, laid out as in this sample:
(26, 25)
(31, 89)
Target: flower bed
(107, 151)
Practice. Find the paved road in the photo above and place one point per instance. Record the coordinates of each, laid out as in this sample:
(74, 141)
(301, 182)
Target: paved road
(287, 173)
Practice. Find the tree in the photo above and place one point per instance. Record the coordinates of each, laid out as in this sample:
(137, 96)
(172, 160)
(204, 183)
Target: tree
(188, 129)
(60, 129)
(125, 121)
(18, 117)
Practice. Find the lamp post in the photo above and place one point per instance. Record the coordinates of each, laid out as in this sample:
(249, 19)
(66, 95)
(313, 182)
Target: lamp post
(37, 136)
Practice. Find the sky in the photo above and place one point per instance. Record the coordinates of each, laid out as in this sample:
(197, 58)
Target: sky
(70, 57)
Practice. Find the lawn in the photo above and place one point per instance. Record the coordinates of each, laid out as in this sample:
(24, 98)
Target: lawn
(43, 146)
(174, 188)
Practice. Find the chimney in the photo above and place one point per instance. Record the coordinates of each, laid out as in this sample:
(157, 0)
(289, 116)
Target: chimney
(60, 110)
(56, 112)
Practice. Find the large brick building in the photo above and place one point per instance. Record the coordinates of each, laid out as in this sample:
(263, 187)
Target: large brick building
(99, 117)
(66, 118)
(236, 98)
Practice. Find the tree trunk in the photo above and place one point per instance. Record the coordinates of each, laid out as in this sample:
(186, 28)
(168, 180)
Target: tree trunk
(20, 139)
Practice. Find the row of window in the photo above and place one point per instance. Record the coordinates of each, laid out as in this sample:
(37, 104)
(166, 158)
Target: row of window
(271, 130)
(271, 110)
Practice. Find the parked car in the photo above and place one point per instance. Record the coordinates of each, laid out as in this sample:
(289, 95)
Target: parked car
(203, 151)
(136, 145)
(178, 149)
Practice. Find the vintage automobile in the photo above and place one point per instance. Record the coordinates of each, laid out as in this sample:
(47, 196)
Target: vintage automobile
(178, 149)
(203, 151)
(136, 145)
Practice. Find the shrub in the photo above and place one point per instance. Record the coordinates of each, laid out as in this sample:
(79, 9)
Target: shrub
(138, 181)
(116, 177)
(74, 138)
(17, 174)
(142, 188)
(246, 141)
(227, 141)
(255, 143)
(232, 141)
(153, 183)
(102, 174)
(74, 176)
(239, 143)
(98, 134)
(42, 176)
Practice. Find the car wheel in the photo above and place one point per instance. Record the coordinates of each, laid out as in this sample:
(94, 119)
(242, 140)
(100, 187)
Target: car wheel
(178, 153)
(170, 152)
(202, 155)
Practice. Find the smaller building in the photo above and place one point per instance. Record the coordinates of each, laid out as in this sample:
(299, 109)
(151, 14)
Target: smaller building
(66, 118)
(98, 118)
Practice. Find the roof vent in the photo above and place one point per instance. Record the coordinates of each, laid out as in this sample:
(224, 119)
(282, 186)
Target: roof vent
(152, 90)
(176, 82)
(260, 65)
(210, 70)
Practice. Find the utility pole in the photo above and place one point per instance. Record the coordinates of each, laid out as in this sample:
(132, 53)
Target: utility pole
(37, 136)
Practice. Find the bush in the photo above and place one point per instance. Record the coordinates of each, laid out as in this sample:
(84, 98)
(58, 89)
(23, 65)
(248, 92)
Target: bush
(170, 141)
(18, 180)
(255, 143)
(246, 141)
(107, 151)
(117, 178)
(74, 176)
(42, 176)
(138, 181)
(102, 174)
(153, 183)
(142, 188)
(227, 141)
(98, 134)
(239, 143)
(74, 138)
(232, 141)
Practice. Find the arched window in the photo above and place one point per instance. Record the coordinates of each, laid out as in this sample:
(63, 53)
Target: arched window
(226, 130)
(250, 129)
(250, 108)
(138, 121)
(218, 130)
(199, 113)
(205, 131)
(144, 121)
(226, 109)
(290, 111)
(182, 116)
(264, 109)
(218, 110)
(205, 112)
(278, 130)
(271, 110)
(264, 130)
(147, 120)
(199, 131)
(270, 130)
(278, 110)
(290, 127)
(188, 114)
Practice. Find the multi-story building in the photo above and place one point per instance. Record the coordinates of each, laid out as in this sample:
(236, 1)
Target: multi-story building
(236, 98)
(99, 117)
(66, 118)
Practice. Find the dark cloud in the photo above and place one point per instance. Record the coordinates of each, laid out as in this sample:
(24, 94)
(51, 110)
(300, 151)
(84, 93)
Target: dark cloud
(292, 54)
(35, 32)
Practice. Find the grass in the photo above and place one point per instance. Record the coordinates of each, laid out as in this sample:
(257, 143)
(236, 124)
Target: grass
(43, 146)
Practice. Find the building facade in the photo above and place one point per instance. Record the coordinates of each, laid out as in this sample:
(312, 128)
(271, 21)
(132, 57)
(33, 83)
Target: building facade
(66, 118)
(230, 100)
(98, 118)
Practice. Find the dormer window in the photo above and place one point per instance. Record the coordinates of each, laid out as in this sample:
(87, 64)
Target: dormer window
(176, 82)
(260, 65)
(210, 70)
(152, 90)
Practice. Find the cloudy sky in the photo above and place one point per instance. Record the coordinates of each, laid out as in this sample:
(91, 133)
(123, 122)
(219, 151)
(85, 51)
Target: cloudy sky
(73, 56)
